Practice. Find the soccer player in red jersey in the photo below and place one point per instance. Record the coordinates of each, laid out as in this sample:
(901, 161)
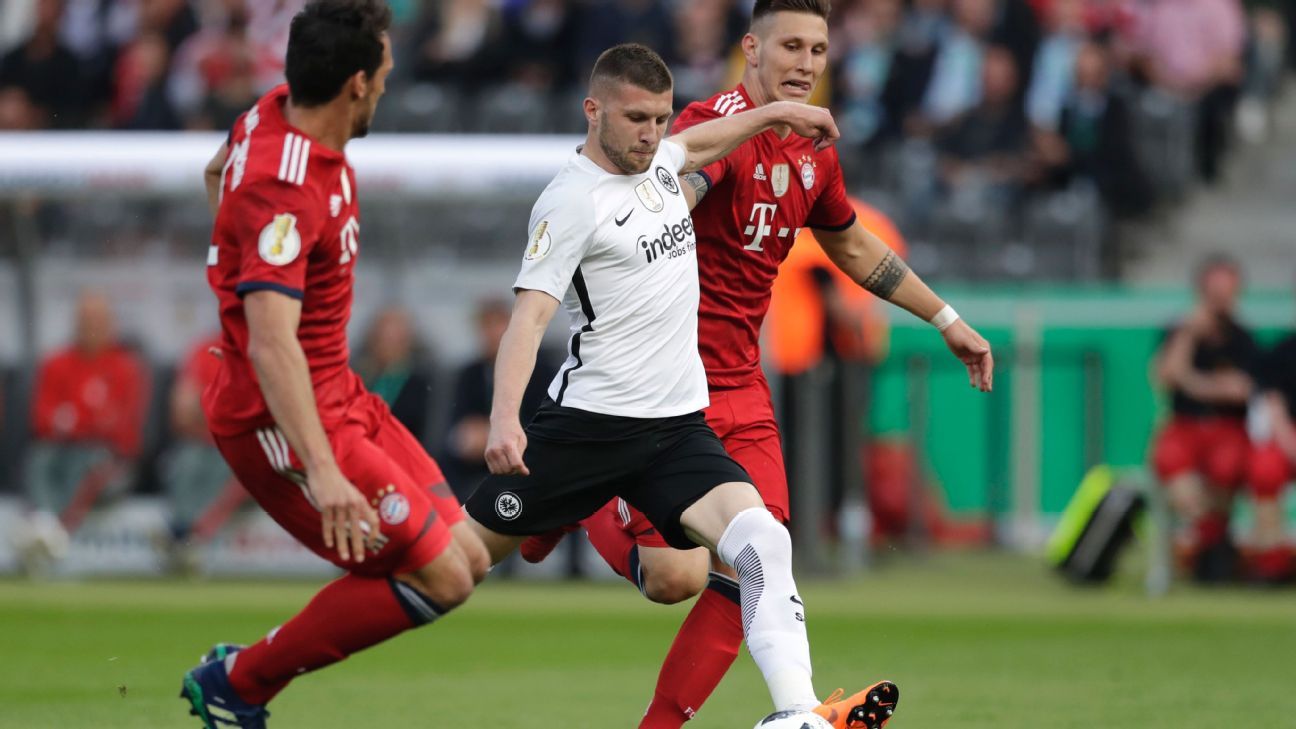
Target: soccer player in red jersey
(324, 457)
(749, 208)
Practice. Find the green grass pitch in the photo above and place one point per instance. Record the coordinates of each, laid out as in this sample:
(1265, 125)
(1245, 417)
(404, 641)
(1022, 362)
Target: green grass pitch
(974, 642)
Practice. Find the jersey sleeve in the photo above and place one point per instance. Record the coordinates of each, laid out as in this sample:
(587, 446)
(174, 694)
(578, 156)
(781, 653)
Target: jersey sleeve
(676, 153)
(832, 211)
(275, 226)
(695, 114)
(562, 230)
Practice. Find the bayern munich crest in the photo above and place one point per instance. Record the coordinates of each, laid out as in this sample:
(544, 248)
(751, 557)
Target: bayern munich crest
(394, 509)
(807, 174)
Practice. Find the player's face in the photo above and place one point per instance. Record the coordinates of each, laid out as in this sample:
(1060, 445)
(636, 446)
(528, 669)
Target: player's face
(374, 89)
(789, 52)
(1219, 289)
(631, 123)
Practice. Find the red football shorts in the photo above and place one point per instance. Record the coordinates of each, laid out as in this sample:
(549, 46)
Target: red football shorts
(1216, 448)
(744, 419)
(1270, 471)
(376, 453)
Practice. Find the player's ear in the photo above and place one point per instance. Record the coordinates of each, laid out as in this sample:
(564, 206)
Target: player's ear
(750, 46)
(591, 109)
(359, 84)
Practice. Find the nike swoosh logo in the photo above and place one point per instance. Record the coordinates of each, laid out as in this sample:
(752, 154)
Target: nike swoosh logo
(797, 600)
(620, 222)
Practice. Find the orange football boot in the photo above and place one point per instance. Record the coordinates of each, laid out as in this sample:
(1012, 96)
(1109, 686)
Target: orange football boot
(869, 709)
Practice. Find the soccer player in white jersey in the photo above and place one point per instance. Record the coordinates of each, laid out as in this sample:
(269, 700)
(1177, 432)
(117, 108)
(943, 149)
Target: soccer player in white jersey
(612, 241)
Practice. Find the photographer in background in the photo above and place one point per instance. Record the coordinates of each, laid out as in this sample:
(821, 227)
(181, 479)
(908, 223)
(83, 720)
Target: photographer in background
(1206, 363)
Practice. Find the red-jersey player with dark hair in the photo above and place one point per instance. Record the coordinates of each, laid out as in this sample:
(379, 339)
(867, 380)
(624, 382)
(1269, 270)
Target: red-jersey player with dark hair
(749, 208)
(323, 456)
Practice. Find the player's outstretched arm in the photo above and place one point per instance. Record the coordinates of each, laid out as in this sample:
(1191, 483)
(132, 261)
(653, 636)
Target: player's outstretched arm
(874, 266)
(284, 376)
(513, 367)
(212, 177)
(712, 140)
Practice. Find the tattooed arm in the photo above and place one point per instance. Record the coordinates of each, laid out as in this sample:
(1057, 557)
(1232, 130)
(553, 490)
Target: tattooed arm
(875, 267)
(696, 186)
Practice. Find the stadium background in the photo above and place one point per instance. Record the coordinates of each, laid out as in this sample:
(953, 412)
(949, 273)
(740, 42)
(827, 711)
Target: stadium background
(1071, 275)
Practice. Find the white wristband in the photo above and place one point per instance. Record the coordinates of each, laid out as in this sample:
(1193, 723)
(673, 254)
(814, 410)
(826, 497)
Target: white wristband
(944, 318)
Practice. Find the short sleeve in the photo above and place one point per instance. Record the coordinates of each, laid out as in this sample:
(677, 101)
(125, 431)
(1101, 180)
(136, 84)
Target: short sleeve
(562, 230)
(695, 114)
(276, 226)
(676, 153)
(832, 211)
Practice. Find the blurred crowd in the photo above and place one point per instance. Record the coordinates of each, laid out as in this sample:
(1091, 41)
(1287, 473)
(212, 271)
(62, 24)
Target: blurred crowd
(963, 110)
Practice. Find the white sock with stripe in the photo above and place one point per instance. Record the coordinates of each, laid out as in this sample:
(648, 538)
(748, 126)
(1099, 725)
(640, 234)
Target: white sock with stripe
(760, 551)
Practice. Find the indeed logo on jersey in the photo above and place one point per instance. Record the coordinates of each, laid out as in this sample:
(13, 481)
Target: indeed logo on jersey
(675, 241)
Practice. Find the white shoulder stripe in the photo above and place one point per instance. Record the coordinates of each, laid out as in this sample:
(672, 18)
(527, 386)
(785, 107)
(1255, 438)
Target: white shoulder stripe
(283, 161)
(305, 157)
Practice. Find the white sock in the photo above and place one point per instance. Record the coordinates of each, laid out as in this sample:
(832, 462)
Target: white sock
(760, 551)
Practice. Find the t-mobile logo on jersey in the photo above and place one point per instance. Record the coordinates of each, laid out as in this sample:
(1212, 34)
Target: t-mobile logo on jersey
(761, 219)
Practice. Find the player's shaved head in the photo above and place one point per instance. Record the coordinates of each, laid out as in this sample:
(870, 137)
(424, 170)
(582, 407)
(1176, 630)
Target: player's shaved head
(630, 63)
(765, 9)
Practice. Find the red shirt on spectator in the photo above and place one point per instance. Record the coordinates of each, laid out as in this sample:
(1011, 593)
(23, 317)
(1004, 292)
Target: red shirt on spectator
(91, 397)
(198, 372)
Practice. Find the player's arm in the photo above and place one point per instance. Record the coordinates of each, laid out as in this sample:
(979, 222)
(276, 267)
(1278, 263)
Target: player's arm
(532, 311)
(1174, 367)
(212, 177)
(709, 141)
(875, 267)
(696, 186)
(285, 381)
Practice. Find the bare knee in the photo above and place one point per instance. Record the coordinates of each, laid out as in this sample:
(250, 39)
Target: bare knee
(474, 550)
(674, 580)
(447, 581)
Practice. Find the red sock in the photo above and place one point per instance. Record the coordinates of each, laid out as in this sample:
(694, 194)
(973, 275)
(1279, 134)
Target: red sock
(348, 615)
(614, 544)
(1211, 530)
(702, 653)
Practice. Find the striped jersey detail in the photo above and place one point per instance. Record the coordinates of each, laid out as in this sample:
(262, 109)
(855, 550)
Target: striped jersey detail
(730, 103)
(296, 153)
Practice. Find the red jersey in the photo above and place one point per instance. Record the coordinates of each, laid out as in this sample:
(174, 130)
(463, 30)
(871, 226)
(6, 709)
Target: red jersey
(91, 397)
(761, 196)
(288, 222)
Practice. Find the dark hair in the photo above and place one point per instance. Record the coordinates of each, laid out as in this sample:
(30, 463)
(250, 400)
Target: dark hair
(1214, 262)
(329, 42)
(768, 7)
(635, 64)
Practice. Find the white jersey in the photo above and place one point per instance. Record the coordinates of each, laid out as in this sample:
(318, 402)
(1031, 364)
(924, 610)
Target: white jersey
(620, 253)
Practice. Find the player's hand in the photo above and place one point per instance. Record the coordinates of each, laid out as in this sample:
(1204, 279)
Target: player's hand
(348, 519)
(974, 352)
(814, 122)
(504, 448)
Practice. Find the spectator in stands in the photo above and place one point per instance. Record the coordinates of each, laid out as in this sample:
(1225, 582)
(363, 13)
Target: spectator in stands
(541, 43)
(457, 42)
(394, 365)
(1201, 455)
(220, 71)
(46, 73)
(1265, 53)
(918, 41)
(1273, 465)
(88, 410)
(955, 84)
(474, 387)
(202, 492)
(1053, 72)
(867, 46)
(144, 71)
(986, 150)
(1193, 49)
(157, 23)
(1094, 139)
(701, 33)
(608, 22)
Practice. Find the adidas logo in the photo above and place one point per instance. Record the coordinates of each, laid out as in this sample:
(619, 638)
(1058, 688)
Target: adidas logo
(760, 173)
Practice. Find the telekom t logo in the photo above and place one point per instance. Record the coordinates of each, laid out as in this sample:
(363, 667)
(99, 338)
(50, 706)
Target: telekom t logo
(761, 216)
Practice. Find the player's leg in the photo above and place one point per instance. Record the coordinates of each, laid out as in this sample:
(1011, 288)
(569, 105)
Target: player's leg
(403, 448)
(711, 636)
(631, 546)
(413, 573)
(1270, 472)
